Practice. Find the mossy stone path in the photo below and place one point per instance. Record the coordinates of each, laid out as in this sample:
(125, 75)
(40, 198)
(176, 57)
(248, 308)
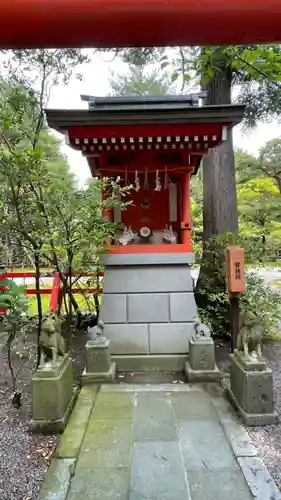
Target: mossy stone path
(166, 442)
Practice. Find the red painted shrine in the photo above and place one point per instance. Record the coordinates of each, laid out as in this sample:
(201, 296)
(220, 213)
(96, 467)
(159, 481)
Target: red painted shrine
(156, 144)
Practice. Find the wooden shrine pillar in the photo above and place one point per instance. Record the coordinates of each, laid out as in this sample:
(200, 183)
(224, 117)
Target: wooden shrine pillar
(108, 213)
(185, 212)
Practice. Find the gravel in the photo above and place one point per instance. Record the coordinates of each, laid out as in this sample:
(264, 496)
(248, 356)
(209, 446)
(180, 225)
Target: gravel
(24, 457)
(267, 439)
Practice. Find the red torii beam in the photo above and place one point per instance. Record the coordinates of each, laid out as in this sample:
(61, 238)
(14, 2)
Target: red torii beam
(123, 23)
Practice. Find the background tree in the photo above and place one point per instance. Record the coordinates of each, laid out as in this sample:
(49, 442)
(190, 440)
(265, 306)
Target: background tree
(27, 80)
(260, 213)
(138, 80)
(270, 161)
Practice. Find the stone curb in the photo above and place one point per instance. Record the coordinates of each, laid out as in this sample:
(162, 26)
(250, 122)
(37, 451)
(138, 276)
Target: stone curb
(72, 438)
(57, 481)
(258, 479)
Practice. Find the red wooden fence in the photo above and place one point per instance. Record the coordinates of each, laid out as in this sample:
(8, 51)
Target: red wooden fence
(55, 290)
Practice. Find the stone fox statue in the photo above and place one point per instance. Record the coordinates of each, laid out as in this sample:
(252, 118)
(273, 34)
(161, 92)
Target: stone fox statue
(250, 335)
(51, 341)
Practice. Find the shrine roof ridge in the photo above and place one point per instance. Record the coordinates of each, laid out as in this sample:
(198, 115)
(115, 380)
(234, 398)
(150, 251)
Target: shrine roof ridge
(193, 99)
(145, 114)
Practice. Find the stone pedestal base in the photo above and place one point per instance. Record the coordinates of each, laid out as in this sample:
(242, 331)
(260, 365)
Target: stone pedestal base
(251, 390)
(201, 375)
(53, 397)
(99, 367)
(201, 366)
(98, 378)
(148, 307)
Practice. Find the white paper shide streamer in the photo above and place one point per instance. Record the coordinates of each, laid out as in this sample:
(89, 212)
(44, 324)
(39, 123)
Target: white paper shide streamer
(158, 186)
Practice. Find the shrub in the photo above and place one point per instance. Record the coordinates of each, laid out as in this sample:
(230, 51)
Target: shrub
(211, 294)
(258, 297)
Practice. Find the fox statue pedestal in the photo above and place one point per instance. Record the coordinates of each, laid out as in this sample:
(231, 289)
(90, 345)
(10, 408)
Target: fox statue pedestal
(251, 381)
(201, 366)
(251, 390)
(99, 368)
(53, 396)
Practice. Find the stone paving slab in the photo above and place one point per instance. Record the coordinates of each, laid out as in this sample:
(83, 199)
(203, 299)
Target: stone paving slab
(204, 445)
(197, 405)
(219, 485)
(157, 472)
(153, 419)
(167, 443)
(151, 388)
(111, 484)
(107, 445)
(108, 406)
(73, 435)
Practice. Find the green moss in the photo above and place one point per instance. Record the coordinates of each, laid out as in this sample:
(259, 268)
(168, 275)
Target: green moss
(72, 438)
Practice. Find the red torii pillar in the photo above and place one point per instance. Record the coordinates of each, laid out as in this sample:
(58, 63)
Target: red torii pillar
(123, 23)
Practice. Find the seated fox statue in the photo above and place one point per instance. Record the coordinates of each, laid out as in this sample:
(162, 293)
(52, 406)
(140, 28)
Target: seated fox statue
(250, 335)
(51, 341)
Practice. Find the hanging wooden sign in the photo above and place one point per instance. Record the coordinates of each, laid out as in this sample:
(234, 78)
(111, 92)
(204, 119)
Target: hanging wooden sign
(235, 269)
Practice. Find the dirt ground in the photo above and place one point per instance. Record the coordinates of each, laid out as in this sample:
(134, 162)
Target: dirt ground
(24, 457)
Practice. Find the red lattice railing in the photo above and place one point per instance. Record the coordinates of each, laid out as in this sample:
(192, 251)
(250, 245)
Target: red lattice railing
(55, 290)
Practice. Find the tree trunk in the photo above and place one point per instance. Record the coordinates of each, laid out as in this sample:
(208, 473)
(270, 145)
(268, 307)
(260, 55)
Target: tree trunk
(219, 194)
(9, 356)
(219, 184)
(39, 303)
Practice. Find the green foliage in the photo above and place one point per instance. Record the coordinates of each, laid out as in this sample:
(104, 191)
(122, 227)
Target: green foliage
(256, 69)
(212, 297)
(258, 195)
(258, 298)
(263, 301)
(55, 222)
(270, 161)
(140, 81)
(14, 300)
(259, 207)
(141, 56)
(260, 210)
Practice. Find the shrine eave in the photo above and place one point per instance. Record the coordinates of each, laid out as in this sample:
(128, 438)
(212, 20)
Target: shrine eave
(145, 114)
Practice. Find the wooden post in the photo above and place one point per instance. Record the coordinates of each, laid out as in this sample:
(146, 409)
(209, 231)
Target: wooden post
(185, 198)
(234, 315)
(108, 213)
(235, 279)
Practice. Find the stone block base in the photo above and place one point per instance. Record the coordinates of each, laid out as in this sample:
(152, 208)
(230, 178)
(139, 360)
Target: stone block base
(53, 397)
(202, 354)
(252, 419)
(58, 425)
(102, 377)
(201, 375)
(251, 391)
(98, 357)
(150, 363)
(148, 304)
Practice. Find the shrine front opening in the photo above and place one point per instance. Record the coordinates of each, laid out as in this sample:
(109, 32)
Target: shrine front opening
(156, 144)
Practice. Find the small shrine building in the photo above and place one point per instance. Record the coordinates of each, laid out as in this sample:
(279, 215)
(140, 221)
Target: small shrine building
(156, 144)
